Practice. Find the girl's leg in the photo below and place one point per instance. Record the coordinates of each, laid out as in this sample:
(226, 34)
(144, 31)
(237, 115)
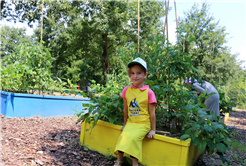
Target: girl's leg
(120, 156)
(120, 159)
(134, 162)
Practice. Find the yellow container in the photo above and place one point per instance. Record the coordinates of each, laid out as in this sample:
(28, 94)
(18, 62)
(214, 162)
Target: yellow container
(226, 117)
(159, 151)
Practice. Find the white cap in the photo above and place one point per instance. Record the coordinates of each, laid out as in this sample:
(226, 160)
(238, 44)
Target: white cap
(139, 61)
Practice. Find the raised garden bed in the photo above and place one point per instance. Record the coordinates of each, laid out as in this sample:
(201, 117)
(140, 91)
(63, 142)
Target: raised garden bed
(161, 150)
(28, 105)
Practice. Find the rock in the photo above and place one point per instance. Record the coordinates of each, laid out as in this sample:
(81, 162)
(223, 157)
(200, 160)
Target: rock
(41, 152)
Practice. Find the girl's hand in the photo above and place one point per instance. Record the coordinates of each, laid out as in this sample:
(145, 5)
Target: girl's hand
(151, 134)
(122, 128)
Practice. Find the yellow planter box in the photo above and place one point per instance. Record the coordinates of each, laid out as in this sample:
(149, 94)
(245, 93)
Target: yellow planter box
(159, 151)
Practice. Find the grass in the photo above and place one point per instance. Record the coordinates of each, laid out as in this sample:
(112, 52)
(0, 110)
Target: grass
(237, 145)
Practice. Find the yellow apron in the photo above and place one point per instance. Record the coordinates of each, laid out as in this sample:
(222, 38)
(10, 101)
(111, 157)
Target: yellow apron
(138, 123)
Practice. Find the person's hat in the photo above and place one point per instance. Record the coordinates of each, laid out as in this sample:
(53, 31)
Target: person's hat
(89, 83)
(139, 61)
(190, 81)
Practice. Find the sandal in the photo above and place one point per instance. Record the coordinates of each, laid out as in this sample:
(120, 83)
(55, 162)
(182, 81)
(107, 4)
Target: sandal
(118, 163)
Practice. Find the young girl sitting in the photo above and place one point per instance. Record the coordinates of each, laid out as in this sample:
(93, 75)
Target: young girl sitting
(139, 114)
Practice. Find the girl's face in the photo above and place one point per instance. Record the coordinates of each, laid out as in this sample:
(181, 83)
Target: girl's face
(137, 75)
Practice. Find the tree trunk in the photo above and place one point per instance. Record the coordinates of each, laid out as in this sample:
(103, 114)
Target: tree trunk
(105, 59)
(2, 3)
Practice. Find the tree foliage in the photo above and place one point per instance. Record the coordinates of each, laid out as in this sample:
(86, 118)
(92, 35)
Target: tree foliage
(11, 37)
(203, 32)
(89, 32)
(27, 68)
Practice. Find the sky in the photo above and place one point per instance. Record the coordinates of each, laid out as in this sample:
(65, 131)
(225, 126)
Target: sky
(230, 13)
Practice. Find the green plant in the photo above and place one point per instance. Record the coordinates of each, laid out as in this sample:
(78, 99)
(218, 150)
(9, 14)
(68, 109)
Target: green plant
(72, 87)
(225, 104)
(107, 107)
(26, 69)
(237, 145)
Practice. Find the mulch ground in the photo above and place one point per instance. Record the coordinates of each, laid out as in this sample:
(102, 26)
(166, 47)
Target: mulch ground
(55, 141)
(45, 141)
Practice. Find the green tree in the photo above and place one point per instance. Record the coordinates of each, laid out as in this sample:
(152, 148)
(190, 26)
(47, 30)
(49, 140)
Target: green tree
(23, 11)
(204, 31)
(12, 37)
(209, 55)
(92, 32)
(89, 32)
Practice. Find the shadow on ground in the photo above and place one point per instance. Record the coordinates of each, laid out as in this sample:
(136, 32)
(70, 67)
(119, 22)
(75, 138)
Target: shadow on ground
(65, 149)
(238, 114)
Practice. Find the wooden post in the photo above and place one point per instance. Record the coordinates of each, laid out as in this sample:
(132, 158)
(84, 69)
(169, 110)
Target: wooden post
(212, 64)
(176, 20)
(42, 23)
(138, 23)
(168, 57)
(219, 81)
(166, 15)
(177, 30)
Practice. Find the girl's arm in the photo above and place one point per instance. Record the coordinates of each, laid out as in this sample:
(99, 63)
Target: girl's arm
(125, 112)
(151, 133)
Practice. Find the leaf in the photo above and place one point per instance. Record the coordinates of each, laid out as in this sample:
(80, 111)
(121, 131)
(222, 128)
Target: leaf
(196, 141)
(221, 147)
(111, 120)
(164, 90)
(115, 97)
(188, 131)
(155, 87)
(197, 126)
(224, 159)
(202, 146)
(203, 105)
(185, 136)
(216, 126)
(96, 117)
(193, 135)
(202, 95)
(164, 105)
(211, 145)
(207, 128)
(210, 95)
(85, 148)
(85, 105)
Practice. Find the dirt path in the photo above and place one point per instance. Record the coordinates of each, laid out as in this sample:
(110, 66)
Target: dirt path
(55, 141)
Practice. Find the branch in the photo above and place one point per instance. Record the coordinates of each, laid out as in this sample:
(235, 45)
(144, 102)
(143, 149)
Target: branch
(110, 46)
(162, 132)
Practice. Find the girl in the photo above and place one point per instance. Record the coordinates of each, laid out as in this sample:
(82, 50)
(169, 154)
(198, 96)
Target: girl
(139, 114)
